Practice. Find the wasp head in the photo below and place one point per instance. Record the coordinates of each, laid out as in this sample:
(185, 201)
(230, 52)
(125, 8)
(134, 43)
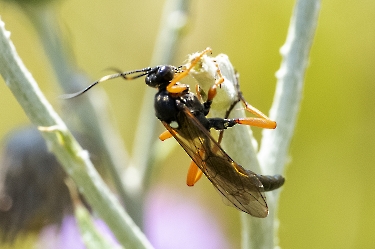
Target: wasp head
(160, 76)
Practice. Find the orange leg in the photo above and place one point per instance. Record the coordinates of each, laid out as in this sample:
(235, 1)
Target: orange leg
(172, 87)
(198, 92)
(261, 121)
(177, 88)
(258, 122)
(165, 135)
(212, 91)
(194, 174)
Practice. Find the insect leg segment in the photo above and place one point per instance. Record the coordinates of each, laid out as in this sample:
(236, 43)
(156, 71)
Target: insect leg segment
(222, 123)
(172, 87)
(198, 92)
(165, 135)
(194, 174)
(212, 91)
(261, 121)
(179, 88)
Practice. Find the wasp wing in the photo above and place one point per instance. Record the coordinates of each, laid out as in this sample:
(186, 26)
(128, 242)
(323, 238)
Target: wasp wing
(239, 186)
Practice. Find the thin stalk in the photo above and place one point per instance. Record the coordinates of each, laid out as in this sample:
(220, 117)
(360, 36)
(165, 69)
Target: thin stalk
(275, 144)
(239, 142)
(174, 19)
(90, 113)
(61, 142)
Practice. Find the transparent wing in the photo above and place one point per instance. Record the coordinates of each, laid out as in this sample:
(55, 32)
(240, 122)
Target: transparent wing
(240, 187)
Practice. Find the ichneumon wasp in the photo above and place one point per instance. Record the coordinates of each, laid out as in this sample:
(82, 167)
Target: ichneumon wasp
(184, 116)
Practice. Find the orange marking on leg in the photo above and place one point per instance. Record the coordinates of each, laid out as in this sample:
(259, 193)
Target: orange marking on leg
(259, 122)
(194, 174)
(177, 88)
(212, 91)
(165, 135)
(262, 121)
(198, 92)
(171, 87)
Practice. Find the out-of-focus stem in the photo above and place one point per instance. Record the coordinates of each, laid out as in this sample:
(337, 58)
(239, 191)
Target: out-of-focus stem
(61, 142)
(274, 148)
(90, 111)
(174, 18)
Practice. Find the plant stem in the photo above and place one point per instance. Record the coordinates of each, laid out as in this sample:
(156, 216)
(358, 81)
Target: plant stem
(69, 153)
(91, 115)
(274, 148)
(239, 143)
(174, 19)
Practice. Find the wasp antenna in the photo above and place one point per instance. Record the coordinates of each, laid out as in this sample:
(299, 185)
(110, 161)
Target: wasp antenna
(107, 77)
(125, 75)
(73, 95)
(142, 72)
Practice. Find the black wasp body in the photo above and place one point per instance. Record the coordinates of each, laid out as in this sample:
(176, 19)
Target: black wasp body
(184, 116)
(168, 106)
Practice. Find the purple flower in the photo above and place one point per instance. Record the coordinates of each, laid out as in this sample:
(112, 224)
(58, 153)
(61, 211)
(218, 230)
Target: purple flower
(67, 235)
(172, 221)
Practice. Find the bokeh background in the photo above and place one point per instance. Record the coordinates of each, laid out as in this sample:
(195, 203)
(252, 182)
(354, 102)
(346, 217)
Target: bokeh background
(328, 200)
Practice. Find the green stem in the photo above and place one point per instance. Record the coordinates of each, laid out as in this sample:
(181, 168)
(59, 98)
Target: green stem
(174, 20)
(69, 153)
(91, 115)
(275, 144)
(238, 142)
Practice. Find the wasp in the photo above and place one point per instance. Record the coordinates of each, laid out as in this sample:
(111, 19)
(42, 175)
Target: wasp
(184, 116)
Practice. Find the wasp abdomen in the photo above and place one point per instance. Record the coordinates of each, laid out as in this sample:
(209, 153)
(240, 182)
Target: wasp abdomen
(271, 182)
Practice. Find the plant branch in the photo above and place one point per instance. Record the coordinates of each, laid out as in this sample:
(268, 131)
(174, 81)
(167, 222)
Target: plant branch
(239, 143)
(274, 148)
(75, 161)
(174, 19)
(91, 116)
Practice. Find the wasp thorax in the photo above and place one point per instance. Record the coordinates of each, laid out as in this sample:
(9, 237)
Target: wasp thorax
(160, 77)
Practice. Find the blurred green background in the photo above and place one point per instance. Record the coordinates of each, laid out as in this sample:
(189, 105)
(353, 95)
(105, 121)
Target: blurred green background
(328, 200)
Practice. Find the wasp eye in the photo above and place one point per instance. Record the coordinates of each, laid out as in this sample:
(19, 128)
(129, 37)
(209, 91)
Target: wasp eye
(165, 73)
(161, 77)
